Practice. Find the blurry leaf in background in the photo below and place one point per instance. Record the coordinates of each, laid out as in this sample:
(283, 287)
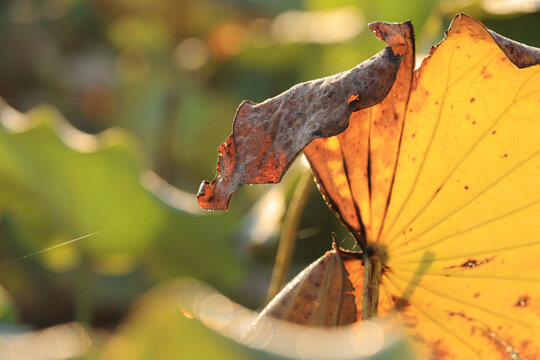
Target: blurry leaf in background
(60, 185)
(40, 168)
(160, 325)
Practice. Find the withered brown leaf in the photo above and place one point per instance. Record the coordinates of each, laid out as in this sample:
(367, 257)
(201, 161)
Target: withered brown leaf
(321, 295)
(267, 136)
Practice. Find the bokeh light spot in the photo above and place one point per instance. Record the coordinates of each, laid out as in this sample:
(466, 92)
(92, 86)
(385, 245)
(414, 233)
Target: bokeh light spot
(191, 54)
(228, 40)
(216, 311)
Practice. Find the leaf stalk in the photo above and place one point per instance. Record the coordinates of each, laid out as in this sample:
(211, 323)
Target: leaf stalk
(372, 281)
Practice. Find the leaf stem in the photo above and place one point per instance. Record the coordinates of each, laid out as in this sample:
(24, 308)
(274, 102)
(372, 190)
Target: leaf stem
(372, 281)
(289, 233)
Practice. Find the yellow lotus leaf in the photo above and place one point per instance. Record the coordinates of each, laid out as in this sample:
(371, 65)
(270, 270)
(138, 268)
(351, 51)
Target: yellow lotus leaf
(438, 178)
(459, 236)
(461, 228)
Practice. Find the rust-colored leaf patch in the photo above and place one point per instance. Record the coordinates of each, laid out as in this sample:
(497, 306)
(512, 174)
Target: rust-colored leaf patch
(267, 136)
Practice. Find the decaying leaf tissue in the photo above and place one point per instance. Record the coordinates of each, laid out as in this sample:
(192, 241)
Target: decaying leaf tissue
(431, 170)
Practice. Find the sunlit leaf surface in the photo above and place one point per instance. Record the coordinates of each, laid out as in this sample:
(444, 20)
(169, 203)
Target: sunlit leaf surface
(459, 232)
(441, 179)
(461, 226)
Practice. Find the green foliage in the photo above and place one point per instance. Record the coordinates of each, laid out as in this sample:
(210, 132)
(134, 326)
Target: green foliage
(52, 192)
(49, 186)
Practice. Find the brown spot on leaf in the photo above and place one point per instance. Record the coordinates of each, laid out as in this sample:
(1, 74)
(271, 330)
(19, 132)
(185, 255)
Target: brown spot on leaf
(437, 350)
(472, 263)
(469, 264)
(485, 74)
(400, 303)
(522, 301)
(460, 314)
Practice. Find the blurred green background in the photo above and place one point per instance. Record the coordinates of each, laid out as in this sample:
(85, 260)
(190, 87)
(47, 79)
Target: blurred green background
(125, 103)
